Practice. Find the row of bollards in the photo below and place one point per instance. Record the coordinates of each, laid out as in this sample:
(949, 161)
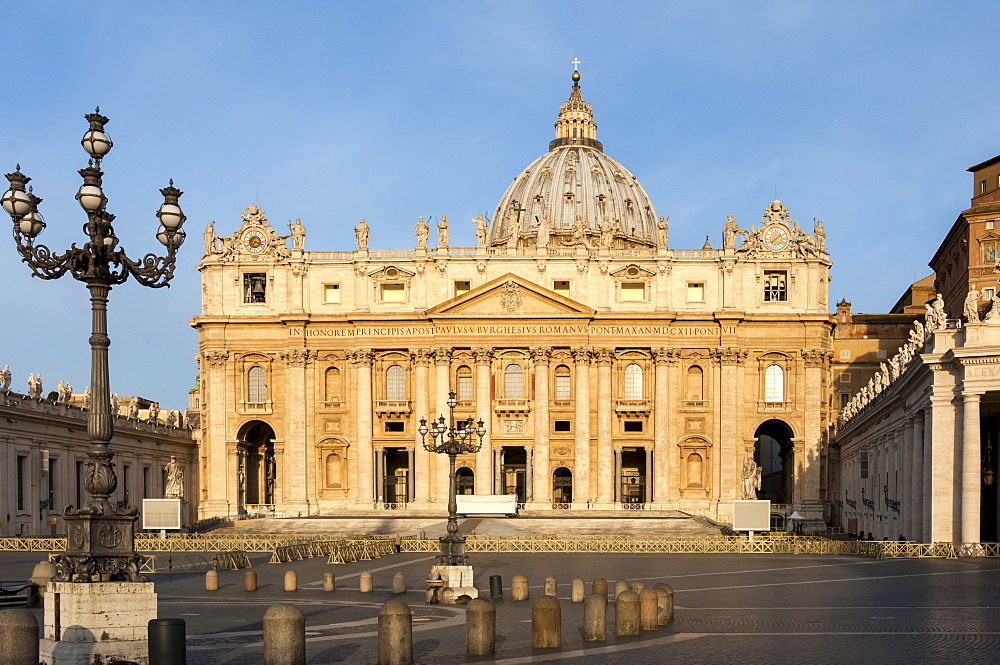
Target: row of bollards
(365, 583)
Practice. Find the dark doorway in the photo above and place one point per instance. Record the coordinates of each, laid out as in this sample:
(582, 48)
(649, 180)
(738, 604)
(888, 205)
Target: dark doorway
(774, 453)
(465, 481)
(513, 472)
(632, 480)
(562, 486)
(395, 481)
(257, 475)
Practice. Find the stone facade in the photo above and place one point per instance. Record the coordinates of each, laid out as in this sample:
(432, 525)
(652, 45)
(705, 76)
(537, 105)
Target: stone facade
(611, 371)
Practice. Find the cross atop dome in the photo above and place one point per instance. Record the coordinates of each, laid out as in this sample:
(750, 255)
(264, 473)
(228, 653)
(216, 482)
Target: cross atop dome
(576, 125)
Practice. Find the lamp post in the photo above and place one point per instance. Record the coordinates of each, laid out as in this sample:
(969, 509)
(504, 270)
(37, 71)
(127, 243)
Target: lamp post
(100, 544)
(456, 438)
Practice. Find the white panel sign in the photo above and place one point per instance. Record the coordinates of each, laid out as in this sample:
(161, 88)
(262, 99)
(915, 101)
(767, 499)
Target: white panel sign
(161, 514)
(751, 515)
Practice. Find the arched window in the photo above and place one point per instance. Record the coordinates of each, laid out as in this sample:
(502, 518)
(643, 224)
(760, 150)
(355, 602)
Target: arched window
(774, 384)
(695, 384)
(513, 382)
(334, 386)
(464, 384)
(633, 382)
(564, 391)
(395, 384)
(257, 385)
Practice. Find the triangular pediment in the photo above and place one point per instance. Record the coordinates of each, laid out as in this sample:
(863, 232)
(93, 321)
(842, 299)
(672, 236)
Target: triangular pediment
(510, 296)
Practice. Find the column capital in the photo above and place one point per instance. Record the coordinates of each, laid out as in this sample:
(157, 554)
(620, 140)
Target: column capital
(216, 358)
(483, 354)
(540, 354)
(361, 357)
(815, 357)
(442, 356)
(581, 354)
(730, 355)
(604, 357)
(421, 357)
(298, 357)
(666, 356)
(971, 397)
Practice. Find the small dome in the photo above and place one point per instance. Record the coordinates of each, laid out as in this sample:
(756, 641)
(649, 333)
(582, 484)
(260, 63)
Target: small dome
(575, 185)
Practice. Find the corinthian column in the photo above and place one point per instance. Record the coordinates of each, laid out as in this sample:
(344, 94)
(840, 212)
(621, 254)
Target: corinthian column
(213, 365)
(581, 437)
(971, 465)
(442, 384)
(662, 358)
(364, 489)
(542, 482)
(484, 458)
(421, 406)
(605, 452)
(296, 449)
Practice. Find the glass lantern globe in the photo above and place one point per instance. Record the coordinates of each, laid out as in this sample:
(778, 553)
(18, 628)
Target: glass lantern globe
(170, 216)
(16, 202)
(31, 225)
(171, 239)
(91, 198)
(96, 143)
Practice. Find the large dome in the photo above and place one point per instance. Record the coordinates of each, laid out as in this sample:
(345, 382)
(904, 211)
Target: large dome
(574, 190)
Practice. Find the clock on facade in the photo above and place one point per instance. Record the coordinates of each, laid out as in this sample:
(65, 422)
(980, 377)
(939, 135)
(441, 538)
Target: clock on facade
(254, 241)
(775, 237)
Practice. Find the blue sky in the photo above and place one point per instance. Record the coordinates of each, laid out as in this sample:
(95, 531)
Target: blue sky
(862, 114)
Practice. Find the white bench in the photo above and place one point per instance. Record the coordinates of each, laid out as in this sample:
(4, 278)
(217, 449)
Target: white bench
(487, 504)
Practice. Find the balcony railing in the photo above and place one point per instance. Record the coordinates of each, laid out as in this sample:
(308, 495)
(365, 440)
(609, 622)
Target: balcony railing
(392, 406)
(512, 405)
(632, 405)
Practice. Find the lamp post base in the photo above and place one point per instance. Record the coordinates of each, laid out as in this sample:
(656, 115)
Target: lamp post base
(457, 582)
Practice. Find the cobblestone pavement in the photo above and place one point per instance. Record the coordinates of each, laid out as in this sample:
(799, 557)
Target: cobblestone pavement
(729, 609)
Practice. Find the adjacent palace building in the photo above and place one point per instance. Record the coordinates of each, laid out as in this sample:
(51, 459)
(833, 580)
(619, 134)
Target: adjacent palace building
(612, 371)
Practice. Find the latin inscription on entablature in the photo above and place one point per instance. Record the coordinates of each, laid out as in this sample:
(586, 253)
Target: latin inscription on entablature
(981, 371)
(555, 329)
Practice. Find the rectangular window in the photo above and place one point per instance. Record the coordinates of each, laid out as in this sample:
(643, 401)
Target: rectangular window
(775, 286)
(633, 291)
(844, 399)
(880, 354)
(21, 479)
(462, 286)
(845, 377)
(982, 186)
(989, 225)
(560, 426)
(561, 286)
(394, 426)
(988, 293)
(845, 354)
(393, 292)
(465, 389)
(696, 292)
(331, 294)
(254, 287)
(632, 426)
(563, 388)
(864, 463)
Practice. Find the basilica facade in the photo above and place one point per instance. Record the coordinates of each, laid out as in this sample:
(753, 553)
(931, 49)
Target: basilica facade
(611, 371)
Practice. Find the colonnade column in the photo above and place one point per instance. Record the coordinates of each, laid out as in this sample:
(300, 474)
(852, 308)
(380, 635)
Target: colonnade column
(971, 465)
(379, 474)
(917, 491)
(581, 436)
(542, 482)
(442, 384)
(616, 488)
(729, 457)
(296, 360)
(661, 405)
(213, 366)
(364, 490)
(942, 469)
(906, 465)
(497, 475)
(605, 460)
(421, 469)
(485, 473)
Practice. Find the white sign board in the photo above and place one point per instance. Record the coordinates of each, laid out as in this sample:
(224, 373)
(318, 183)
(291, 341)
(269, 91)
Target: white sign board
(751, 515)
(487, 504)
(159, 514)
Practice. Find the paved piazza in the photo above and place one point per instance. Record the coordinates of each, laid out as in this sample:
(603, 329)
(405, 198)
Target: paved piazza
(729, 609)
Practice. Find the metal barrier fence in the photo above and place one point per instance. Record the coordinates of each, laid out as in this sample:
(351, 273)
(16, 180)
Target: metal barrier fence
(337, 551)
(191, 562)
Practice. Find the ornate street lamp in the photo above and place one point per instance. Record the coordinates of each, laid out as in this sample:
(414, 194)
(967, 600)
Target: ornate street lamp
(456, 438)
(100, 544)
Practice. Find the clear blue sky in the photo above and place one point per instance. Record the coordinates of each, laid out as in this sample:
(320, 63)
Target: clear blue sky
(862, 114)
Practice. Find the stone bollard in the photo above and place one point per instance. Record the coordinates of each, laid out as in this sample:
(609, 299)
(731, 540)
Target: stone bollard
(250, 580)
(577, 590)
(519, 588)
(546, 623)
(291, 581)
(648, 610)
(551, 588)
(329, 582)
(395, 634)
(399, 583)
(167, 641)
(667, 614)
(365, 583)
(41, 575)
(637, 586)
(627, 613)
(18, 637)
(480, 628)
(211, 581)
(620, 585)
(423, 535)
(594, 609)
(496, 586)
(600, 586)
(661, 605)
(284, 636)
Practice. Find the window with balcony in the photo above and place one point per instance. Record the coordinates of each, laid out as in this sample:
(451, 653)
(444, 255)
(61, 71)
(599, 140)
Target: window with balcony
(564, 390)
(774, 384)
(465, 393)
(395, 384)
(256, 385)
(633, 382)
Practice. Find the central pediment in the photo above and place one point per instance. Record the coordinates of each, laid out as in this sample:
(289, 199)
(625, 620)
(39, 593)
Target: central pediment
(508, 297)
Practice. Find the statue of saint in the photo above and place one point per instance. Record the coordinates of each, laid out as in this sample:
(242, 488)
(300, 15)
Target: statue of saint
(820, 236)
(34, 385)
(443, 231)
(940, 317)
(542, 233)
(298, 234)
(971, 306)
(729, 230)
(171, 418)
(133, 409)
(5, 379)
(423, 231)
(174, 488)
(661, 233)
(154, 413)
(361, 234)
(86, 397)
(607, 235)
(480, 231)
(209, 237)
(750, 479)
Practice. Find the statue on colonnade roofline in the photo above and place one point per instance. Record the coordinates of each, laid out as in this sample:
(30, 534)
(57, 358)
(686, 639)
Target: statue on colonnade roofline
(34, 385)
(480, 231)
(662, 233)
(361, 234)
(971, 306)
(5, 378)
(422, 231)
(298, 234)
(940, 317)
(154, 413)
(729, 230)
(443, 231)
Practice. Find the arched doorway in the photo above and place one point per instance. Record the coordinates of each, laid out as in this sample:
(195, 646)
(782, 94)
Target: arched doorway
(774, 454)
(562, 487)
(256, 468)
(465, 481)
